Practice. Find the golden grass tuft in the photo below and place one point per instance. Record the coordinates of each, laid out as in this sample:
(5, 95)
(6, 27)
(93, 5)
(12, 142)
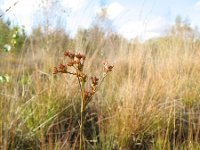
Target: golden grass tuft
(151, 100)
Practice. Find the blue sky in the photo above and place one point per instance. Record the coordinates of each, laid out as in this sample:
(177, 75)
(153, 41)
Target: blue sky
(142, 18)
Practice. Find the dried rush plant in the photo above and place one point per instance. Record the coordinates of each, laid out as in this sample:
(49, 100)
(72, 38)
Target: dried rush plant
(74, 66)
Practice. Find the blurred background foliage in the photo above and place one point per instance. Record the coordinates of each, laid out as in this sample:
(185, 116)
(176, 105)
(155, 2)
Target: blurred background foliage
(12, 38)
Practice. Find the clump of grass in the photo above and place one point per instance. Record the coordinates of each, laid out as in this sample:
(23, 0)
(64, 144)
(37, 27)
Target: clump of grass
(150, 102)
(75, 66)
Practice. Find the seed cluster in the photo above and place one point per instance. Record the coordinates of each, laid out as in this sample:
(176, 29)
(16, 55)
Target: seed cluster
(74, 66)
(107, 68)
(76, 63)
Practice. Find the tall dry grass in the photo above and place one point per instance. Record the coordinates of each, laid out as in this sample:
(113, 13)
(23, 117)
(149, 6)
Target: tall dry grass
(150, 101)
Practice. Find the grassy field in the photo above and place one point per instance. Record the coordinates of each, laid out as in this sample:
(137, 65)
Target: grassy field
(149, 101)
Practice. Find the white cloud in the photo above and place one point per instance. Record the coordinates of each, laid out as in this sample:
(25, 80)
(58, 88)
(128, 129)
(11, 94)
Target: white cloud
(149, 35)
(23, 7)
(143, 30)
(23, 12)
(114, 9)
(131, 29)
(73, 4)
(80, 15)
(197, 4)
(156, 24)
(83, 12)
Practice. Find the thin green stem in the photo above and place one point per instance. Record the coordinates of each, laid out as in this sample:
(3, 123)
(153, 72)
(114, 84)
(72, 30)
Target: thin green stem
(82, 110)
(81, 127)
(101, 81)
(79, 82)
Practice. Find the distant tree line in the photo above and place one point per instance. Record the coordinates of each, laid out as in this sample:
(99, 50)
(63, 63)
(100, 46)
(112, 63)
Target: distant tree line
(96, 38)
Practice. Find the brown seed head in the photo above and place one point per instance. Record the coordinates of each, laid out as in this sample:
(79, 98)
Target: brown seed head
(55, 70)
(71, 55)
(110, 68)
(94, 80)
(66, 53)
(79, 56)
(93, 90)
(61, 66)
(107, 67)
(88, 95)
(71, 63)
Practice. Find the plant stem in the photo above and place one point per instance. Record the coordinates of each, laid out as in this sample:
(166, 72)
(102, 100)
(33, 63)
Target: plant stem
(81, 127)
(82, 110)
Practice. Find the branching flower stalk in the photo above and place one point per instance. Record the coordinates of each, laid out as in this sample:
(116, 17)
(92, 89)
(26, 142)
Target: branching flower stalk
(74, 66)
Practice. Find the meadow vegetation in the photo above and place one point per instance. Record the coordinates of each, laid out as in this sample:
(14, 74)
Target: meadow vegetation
(150, 100)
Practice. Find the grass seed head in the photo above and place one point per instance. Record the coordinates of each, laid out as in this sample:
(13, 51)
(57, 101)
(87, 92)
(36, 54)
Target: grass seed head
(55, 70)
(107, 67)
(71, 63)
(94, 80)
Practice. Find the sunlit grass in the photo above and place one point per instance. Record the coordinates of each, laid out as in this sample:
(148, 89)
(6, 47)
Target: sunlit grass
(151, 100)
